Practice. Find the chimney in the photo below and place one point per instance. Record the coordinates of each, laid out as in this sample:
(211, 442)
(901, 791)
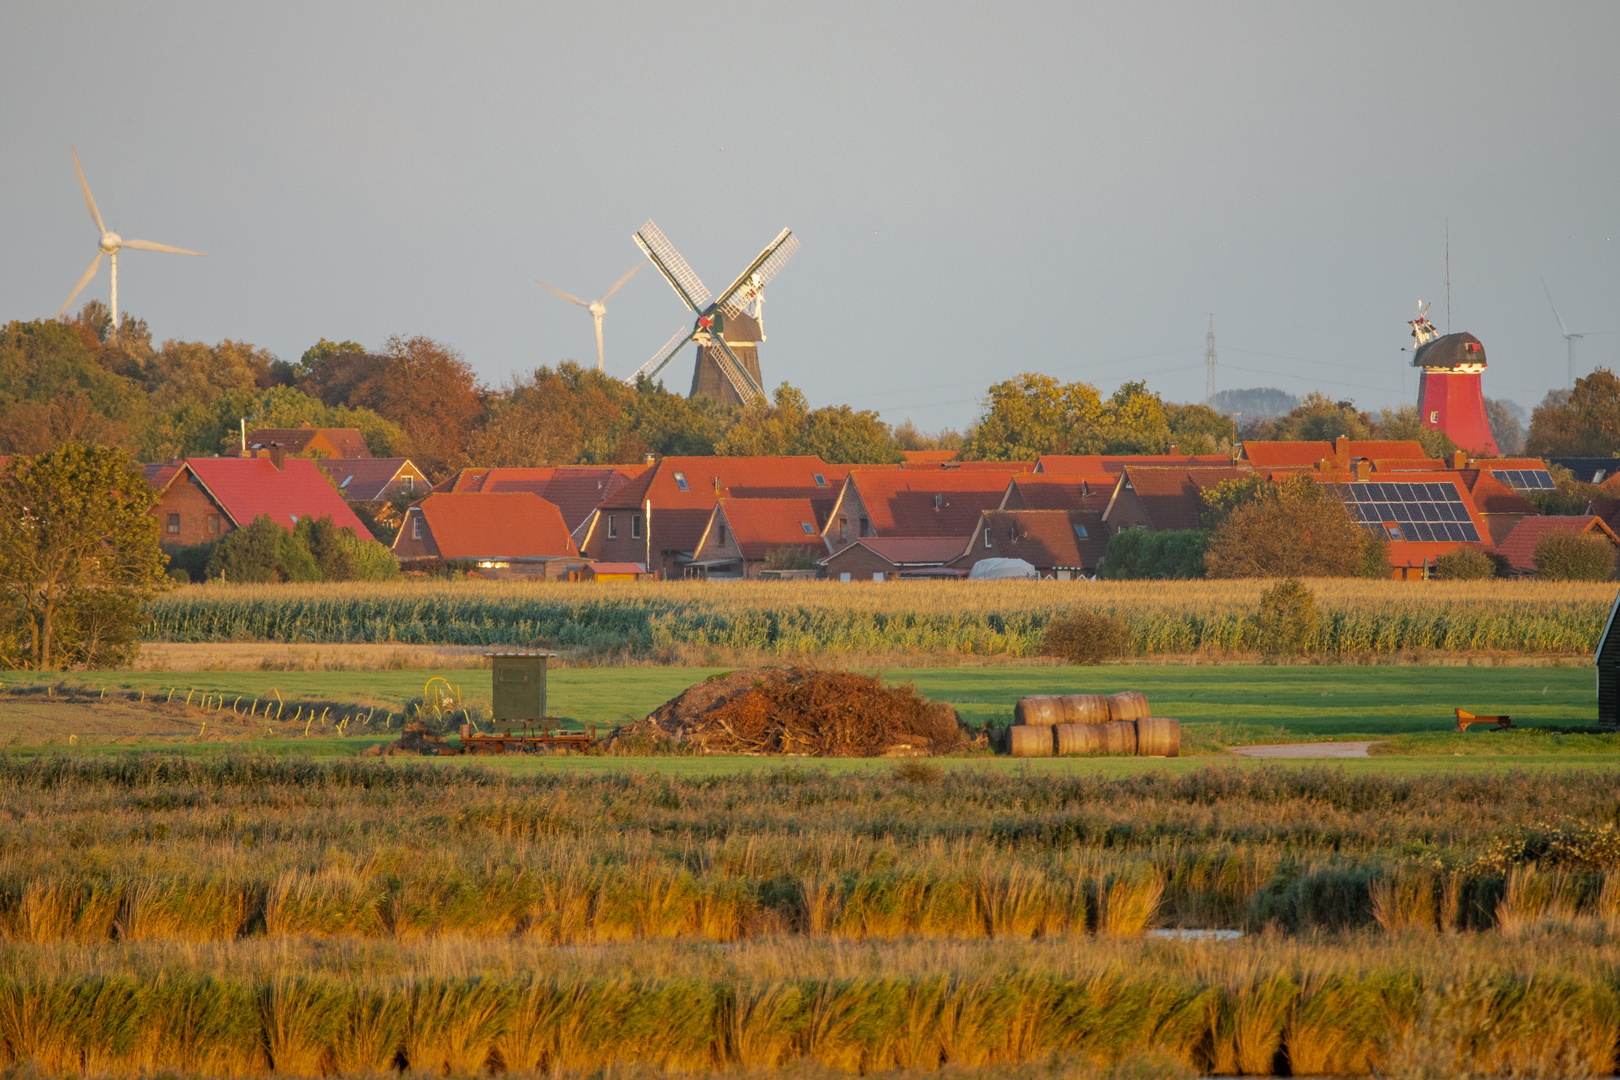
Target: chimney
(939, 501)
(1361, 470)
(1341, 450)
(649, 459)
(278, 456)
(1459, 460)
(1175, 450)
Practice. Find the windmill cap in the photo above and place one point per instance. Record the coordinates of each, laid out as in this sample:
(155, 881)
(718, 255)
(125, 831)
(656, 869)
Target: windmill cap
(1450, 351)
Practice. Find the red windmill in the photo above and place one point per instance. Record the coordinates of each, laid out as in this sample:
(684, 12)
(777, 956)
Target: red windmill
(1450, 395)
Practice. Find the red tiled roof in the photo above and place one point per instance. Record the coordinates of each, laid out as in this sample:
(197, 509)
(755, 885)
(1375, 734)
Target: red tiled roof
(1039, 491)
(1408, 464)
(1519, 546)
(501, 525)
(1491, 496)
(1607, 509)
(1285, 454)
(348, 442)
(364, 479)
(911, 550)
(920, 456)
(159, 473)
(1114, 464)
(246, 488)
(763, 525)
(946, 503)
(1046, 538)
(578, 490)
(1173, 498)
(711, 478)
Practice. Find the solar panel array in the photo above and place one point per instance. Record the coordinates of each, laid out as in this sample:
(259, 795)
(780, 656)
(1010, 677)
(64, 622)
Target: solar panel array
(1525, 479)
(1423, 511)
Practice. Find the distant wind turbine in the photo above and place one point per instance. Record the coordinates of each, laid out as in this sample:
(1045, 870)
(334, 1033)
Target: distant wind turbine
(1569, 338)
(597, 308)
(111, 243)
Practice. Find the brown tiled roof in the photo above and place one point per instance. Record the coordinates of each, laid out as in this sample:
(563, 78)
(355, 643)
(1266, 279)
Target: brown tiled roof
(505, 525)
(945, 503)
(763, 525)
(158, 474)
(1173, 498)
(1039, 491)
(1048, 538)
(1519, 546)
(911, 550)
(1607, 509)
(348, 442)
(1114, 464)
(364, 479)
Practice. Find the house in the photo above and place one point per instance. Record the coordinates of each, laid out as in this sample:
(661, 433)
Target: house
(1160, 498)
(742, 533)
(1519, 548)
(370, 479)
(913, 503)
(1114, 464)
(659, 517)
(1531, 474)
(1500, 507)
(1306, 454)
(514, 534)
(891, 558)
(308, 441)
(1042, 491)
(203, 499)
(1423, 515)
(1585, 470)
(1061, 544)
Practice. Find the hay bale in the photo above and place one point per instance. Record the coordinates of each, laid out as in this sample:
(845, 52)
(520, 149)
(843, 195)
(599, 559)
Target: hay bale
(1030, 740)
(804, 711)
(1117, 737)
(1127, 705)
(1158, 737)
(1085, 709)
(1038, 710)
(1078, 739)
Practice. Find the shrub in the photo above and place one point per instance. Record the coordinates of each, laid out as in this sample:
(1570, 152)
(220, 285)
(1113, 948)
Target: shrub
(1287, 618)
(1297, 528)
(262, 552)
(1464, 564)
(792, 558)
(1568, 556)
(191, 561)
(1085, 637)
(1137, 553)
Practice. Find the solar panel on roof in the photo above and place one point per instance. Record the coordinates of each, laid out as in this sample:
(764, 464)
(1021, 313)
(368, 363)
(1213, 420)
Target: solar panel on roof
(1525, 479)
(1418, 511)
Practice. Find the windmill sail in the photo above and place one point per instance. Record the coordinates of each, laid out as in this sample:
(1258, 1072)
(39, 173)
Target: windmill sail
(681, 277)
(765, 266)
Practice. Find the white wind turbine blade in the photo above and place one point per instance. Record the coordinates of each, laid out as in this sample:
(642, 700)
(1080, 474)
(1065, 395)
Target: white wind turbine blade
(558, 292)
(95, 264)
(148, 245)
(620, 282)
(601, 363)
(89, 199)
(1562, 328)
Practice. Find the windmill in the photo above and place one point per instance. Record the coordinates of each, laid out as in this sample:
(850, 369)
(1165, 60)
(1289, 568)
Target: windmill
(728, 330)
(597, 308)
(1569, 338)
(111, 244)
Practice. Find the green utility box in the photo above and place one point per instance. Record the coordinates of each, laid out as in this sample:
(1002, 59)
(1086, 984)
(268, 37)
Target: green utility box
(520, 684)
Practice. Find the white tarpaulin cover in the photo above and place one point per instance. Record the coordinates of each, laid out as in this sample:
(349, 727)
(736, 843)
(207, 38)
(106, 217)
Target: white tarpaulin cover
(996, 569)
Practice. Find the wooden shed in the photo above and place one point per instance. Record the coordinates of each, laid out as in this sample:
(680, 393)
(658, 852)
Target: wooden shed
(1608, 671)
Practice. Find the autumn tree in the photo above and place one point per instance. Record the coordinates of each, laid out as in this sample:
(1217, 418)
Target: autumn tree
(1031, 415)
(788, 426)
(1297, 528)
(78, 556)
(1586, 424)
(1318, 418)
(54, 387)
(1406, 423)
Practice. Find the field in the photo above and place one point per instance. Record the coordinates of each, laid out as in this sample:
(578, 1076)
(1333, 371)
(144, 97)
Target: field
(242, 914)
(892, 623)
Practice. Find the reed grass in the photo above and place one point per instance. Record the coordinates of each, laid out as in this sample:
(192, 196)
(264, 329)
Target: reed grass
(828, 620)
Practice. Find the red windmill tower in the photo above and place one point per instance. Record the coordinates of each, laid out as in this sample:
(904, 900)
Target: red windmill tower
(1450, 397)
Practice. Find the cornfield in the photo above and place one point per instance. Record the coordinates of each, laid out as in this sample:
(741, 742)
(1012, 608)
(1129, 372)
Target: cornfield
(827, 619)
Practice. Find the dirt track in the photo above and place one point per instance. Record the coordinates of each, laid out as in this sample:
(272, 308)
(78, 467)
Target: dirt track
(1304, 750)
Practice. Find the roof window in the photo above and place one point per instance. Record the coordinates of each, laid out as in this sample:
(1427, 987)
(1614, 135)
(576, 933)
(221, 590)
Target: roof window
(680, 482)
(1080, 531)
(345, 483)
(821, 481)
(809, 530)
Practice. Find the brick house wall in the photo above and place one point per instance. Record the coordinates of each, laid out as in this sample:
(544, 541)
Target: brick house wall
(1128, 512)
(849, 522)
(415, 540)
(619, 535)
(187, 516)
(860, 563)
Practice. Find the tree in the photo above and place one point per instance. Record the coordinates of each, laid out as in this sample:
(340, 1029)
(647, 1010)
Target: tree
(1318, 418)
(1464, 564)
(1137, 554)
(286, 407)
(78, 556)
(54, 386)
(1587, 424)
(424, 387)
(1294, 529)
(1507, 424)
(1199, 429)
(1030, 415)
(1570, 556)
(262, 552)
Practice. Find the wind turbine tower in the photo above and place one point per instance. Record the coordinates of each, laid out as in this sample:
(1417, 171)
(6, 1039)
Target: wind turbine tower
(1570, 338)
(1209, 362)
(111, 244)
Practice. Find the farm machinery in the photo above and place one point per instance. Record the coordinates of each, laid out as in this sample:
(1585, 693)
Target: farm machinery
(519, 683)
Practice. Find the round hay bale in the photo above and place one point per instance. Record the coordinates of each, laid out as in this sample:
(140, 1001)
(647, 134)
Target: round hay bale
(1039, 710)
(1127, 705)
(1158, 737)
(1085, 709)
(1078, 738)
(1031, 740)
(1117, 737)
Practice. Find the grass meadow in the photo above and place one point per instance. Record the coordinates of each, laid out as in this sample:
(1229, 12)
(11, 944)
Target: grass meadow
(246, 914)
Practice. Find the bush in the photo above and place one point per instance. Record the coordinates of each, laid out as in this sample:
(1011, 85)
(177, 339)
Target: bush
(262, 552)
(1464, 564)
(1085, 637)
(1568, 556)
(1137, 553)
(191, 561)
(792, 558)
(1287, 618)
(316, 550)
(1297, 528)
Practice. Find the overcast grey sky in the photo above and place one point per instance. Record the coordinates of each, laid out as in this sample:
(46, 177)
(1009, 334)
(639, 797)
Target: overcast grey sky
(979, 189)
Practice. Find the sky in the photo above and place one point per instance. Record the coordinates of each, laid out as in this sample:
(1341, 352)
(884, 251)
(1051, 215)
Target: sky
(979, 189)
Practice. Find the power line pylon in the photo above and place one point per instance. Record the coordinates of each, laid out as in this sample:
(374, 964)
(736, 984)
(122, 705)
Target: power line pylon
(1209, 362)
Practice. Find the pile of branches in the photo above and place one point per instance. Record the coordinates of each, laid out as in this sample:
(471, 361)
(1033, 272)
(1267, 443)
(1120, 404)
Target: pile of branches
(803, 711)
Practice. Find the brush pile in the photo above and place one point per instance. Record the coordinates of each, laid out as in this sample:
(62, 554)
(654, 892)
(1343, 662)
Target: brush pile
(803, 711)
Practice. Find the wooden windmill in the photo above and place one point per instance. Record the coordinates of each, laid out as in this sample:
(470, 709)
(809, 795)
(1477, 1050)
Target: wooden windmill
(727, 330)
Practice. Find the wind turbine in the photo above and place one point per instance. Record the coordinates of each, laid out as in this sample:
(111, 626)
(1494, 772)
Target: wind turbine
(597, 308)
(1569, 338)
(111, 243)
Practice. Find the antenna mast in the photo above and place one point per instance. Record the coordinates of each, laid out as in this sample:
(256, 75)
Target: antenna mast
(1209, 362)
(1448, 275)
